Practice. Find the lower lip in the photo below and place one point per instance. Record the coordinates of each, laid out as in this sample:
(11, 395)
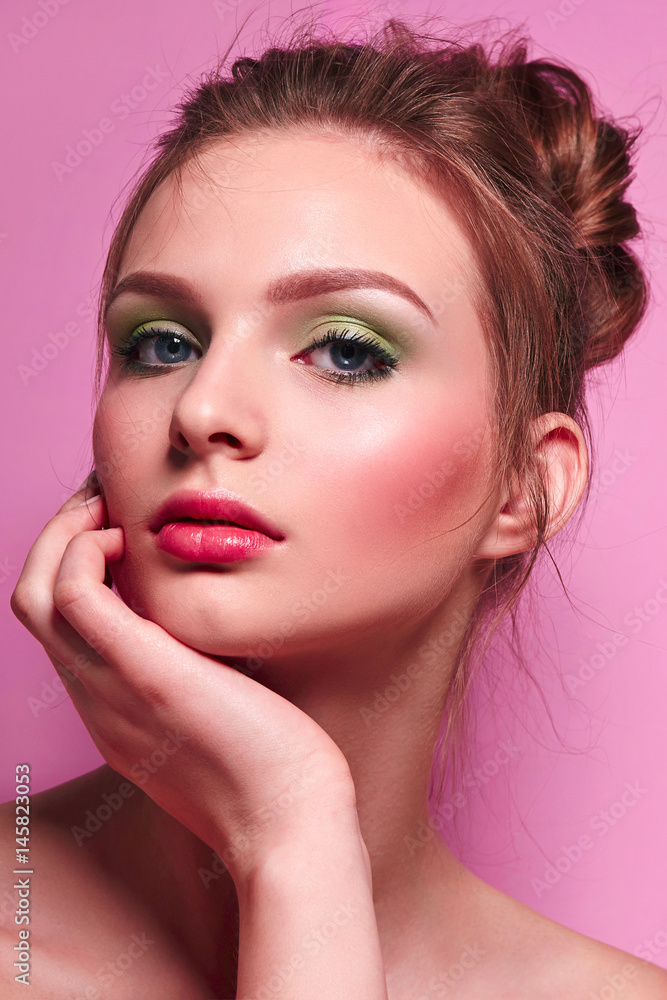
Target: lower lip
(220, 543)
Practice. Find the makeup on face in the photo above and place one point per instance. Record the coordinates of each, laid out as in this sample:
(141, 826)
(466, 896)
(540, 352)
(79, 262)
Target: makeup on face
(212, 526)
(299, 354)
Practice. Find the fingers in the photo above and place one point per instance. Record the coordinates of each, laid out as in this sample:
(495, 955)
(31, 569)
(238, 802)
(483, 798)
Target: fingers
(89, 487)
(87, 620)
(74, 516)
(104, 626)
(79, 592)
(32, 599)
(63, 598)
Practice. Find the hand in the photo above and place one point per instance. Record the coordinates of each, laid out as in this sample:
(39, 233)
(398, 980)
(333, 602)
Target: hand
(242, 749)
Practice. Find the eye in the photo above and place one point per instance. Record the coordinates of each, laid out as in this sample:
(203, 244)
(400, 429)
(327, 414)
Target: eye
(151, 347)
(352, 356)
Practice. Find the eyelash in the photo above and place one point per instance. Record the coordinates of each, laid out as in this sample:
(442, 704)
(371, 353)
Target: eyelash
(376, 351)
(333, 335)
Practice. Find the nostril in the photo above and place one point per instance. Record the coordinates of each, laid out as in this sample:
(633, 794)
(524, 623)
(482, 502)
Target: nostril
(227, 438)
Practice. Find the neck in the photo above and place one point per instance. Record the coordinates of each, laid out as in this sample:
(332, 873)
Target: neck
(382, 702)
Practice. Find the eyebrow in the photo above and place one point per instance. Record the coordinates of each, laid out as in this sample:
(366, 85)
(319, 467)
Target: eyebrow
(288, 288)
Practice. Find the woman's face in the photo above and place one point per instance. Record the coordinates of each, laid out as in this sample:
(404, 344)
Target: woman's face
(378, 484)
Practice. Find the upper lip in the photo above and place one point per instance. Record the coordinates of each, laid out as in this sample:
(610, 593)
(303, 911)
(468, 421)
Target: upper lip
(219, 505)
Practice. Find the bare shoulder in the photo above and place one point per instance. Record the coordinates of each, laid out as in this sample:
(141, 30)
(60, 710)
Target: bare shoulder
(67, 913)
(543, 960)
(590, 969)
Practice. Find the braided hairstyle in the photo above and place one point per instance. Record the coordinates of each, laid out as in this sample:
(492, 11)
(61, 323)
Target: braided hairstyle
(535, 177)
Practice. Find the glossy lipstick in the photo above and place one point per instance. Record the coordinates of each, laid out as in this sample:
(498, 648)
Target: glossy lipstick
(183, 527)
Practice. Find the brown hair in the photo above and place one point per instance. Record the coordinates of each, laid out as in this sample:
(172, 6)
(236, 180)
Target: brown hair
(536, 178)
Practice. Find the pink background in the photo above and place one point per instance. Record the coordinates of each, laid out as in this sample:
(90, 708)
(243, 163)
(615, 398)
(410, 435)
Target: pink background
(85, 61)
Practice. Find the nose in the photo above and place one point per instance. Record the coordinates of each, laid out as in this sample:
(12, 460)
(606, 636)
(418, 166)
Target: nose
(224, 406)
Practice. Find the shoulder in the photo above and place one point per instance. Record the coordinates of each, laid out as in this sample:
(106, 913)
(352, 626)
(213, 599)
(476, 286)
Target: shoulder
(592, 969)
(64, 829)
(583, 967)
(543, 960)
(84, 936)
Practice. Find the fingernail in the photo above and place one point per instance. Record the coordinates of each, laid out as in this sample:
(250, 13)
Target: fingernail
(97, 496)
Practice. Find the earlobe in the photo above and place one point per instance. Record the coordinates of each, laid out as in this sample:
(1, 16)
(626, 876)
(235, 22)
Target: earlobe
(562, 459)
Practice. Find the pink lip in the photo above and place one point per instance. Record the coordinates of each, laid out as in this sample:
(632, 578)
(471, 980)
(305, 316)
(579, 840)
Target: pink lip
(248, 536)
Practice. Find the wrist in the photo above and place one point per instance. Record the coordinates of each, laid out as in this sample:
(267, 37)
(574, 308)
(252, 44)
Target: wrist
(294, 830)
(320, 856)
(306, 907)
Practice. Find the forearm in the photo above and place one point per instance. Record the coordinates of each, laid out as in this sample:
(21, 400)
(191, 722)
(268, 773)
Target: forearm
(307, 921)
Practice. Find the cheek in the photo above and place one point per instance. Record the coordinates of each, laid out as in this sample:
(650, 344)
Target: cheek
(108, 453)
(408, 481)
(126, 447)
(125, 436)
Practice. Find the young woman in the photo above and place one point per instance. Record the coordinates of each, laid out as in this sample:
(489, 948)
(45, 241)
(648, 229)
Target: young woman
(351, 272)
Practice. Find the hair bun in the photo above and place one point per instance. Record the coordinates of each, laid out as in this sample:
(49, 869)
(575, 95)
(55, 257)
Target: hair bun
(587, 160)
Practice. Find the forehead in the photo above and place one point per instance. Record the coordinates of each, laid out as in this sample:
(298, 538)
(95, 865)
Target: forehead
(281, 201)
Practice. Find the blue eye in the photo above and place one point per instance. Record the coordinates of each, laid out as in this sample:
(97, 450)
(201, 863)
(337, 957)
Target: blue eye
(169, 347)
(357, 358)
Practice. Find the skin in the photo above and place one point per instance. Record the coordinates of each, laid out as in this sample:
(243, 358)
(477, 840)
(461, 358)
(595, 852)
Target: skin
(163, 658)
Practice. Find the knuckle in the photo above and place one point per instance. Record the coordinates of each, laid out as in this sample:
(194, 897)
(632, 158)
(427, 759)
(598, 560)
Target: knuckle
(22, 601)
(67, 593)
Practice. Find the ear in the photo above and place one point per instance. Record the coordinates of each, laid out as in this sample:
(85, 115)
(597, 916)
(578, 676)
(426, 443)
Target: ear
(560, 448)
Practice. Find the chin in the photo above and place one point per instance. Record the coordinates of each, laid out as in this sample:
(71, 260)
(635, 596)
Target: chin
(184, 605)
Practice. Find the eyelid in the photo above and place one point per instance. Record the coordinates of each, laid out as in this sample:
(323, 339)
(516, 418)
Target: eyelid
(153, 328)
(353, 326)
(362, 324)
(122, 325)
(150, 323)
